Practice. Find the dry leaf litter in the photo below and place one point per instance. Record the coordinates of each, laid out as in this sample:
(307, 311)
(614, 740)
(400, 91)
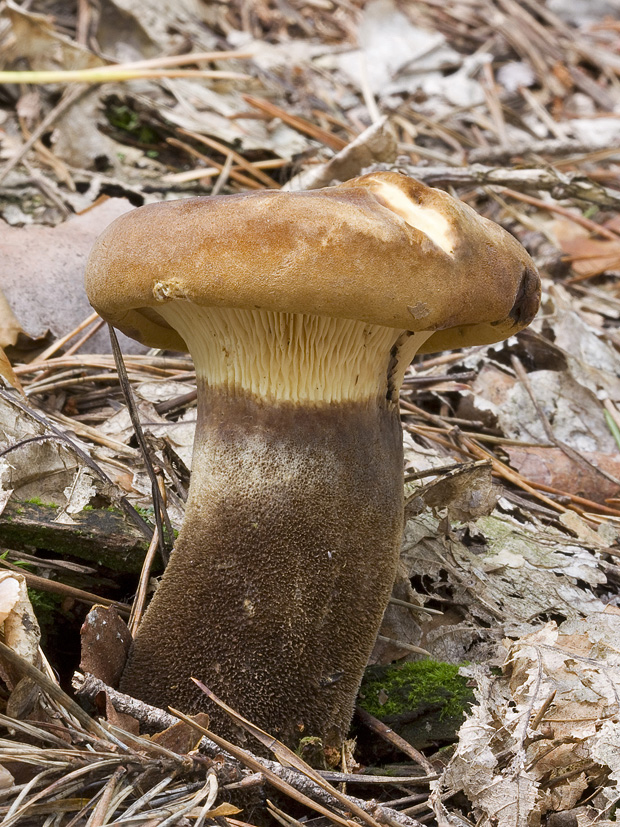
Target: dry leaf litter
(510, 555)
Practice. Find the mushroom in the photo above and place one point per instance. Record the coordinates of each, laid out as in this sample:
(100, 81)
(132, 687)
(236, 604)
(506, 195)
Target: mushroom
(302, 311)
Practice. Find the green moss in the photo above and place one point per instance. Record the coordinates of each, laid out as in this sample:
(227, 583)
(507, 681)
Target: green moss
(148, 513)
(401, 689)
(39, 501)
(126, 120)
(109, 508)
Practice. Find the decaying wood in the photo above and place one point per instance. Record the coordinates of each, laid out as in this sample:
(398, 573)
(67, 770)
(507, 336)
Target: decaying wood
(99, 535)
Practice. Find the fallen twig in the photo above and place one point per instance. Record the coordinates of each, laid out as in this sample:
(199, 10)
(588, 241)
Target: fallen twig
(560, 184)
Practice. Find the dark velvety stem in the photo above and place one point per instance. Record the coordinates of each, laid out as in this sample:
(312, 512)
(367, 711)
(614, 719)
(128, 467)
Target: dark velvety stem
(276, 588)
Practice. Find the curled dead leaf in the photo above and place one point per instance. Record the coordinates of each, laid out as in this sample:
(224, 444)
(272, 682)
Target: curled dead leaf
(588, 256)
(105, 642)
(467, 492)
(10, 328)
(21, 634)
(20, 626)
(180, 737)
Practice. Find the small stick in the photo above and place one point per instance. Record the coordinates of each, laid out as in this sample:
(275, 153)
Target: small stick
(180, 60)
(223, 177)
(414, 608)
(402, 645)
(63, 340)
(241, 161)
(161, 515)
(40, 386)
(94, 435)
(542, 711)
(575, 498)
(587, 223)
(395, 740)
(83, 339)
(300, 124)
(54, 587)
(201, 172)
(108, 74)
(137, 608)
(252, 762)
(100, 812)
(237, 176)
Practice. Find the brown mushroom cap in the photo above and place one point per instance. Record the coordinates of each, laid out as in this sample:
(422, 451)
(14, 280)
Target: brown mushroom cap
(382, 249)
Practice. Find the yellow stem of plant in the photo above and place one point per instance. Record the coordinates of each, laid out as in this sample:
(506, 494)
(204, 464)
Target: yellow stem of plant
(106, 74)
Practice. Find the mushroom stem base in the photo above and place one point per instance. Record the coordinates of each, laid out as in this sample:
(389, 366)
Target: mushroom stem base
(276, 588)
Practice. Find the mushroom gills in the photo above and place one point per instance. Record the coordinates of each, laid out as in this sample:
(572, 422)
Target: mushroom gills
(293, 357)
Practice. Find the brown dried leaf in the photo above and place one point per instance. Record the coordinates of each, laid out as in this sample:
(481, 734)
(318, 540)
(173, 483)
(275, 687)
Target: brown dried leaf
(552, 466)
(22, 699)
(36, 40)
(223, 809)
(588, 256)
(42, 275)
(491, 388)
(6, 779)
(467, 493)
(105, 644)
(8, 374)
(180, 737)
(10, 328)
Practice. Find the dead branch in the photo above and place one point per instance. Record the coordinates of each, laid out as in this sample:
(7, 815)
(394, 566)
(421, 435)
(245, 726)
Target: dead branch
(560, 185)
(98, 535)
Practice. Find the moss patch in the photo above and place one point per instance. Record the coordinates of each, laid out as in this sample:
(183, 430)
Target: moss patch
(39, 501)
(126, 120)
(425, 702)
(401, 688)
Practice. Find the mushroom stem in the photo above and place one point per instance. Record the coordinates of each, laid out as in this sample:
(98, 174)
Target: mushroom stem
(287, 556)
(283, 568)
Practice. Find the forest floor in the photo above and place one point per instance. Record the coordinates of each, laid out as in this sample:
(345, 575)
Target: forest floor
(508, 584)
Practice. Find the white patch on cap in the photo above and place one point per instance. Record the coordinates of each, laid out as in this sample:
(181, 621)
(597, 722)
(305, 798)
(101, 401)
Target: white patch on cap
(165, 290)
(425, 219)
